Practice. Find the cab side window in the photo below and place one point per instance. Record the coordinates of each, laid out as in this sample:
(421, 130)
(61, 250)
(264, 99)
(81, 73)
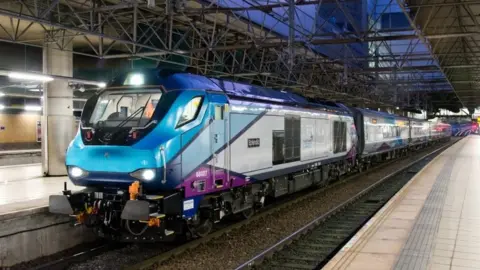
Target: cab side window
(190, 111)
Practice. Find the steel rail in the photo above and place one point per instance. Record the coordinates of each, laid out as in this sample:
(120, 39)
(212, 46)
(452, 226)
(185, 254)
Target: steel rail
(66, 261)
(272, 209)
(256, 260)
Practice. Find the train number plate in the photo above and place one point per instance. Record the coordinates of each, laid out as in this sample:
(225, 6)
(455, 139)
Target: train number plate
(254, 142)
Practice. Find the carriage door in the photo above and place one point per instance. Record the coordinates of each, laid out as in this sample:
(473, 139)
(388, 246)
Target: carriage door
(220, 149)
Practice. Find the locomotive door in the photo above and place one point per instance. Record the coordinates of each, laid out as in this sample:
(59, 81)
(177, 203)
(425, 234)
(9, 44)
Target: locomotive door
(220, 162)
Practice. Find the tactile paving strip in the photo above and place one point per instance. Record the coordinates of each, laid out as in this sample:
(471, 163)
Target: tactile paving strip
(419, 247)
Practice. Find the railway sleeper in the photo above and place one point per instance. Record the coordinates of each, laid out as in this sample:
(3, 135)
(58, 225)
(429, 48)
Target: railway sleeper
(297, 264)
(312, 251)
(323, 239)
(336, 232)
(319, 244)
(291, 266)
(299, 258)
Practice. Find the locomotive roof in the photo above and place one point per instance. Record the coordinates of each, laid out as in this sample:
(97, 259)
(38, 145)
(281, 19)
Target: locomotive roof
(174, 80)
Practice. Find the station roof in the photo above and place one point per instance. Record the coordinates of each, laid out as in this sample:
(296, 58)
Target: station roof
(453, 31)
(351, 51)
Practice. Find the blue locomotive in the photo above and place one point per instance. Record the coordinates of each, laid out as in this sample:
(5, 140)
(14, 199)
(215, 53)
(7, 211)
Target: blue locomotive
(164, 153)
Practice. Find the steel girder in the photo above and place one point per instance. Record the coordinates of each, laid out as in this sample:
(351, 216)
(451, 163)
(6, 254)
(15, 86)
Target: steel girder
(219, 41)
(436, 17)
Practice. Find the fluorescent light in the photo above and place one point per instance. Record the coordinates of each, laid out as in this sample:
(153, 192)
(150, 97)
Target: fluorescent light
(2, 107)
(33, 108)
(102, 85)
(29, 76)
(2, 94)
(134, 79)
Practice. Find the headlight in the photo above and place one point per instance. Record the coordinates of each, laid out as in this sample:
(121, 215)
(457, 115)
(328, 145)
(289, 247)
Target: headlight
(76, 172)
(144, 174)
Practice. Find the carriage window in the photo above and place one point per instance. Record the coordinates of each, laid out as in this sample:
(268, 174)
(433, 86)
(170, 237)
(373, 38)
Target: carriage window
(219, 112)
(386, 132)
(190, 111)
(339, 137)
(278, 148)
(123, 111)
(292, 138)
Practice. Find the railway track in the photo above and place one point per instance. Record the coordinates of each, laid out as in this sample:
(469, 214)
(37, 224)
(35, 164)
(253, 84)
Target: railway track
(341, 232)
(166, 253)
(64, 261)
(312, 246)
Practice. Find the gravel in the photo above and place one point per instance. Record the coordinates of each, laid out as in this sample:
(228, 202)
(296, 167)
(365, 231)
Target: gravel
(117, 259)
(238, 246)
(47, 259)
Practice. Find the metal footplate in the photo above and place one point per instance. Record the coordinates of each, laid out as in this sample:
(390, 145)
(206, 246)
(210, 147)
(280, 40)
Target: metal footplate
(59, 204)
(136, 210)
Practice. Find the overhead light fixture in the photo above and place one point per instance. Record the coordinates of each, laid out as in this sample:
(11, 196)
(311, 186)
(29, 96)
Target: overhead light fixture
(33, 108)
(30, 86)
(2, 107)
(151, 3)
(29, 76)
(102, 85)
(134, 79)
(2, 94)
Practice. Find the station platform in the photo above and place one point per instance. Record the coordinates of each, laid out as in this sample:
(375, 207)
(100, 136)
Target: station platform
(22, 187)
(16, 152)
(27, 230)
(433, 222)
(20, 157)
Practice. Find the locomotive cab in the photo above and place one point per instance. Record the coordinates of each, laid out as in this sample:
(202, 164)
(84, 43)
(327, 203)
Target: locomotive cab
(130, 153)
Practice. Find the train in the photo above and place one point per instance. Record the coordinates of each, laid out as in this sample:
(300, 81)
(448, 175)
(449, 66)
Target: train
(163, 154)
(461, 129)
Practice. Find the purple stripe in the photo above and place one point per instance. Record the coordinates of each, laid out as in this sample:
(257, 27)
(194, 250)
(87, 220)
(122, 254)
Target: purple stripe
(204, 173)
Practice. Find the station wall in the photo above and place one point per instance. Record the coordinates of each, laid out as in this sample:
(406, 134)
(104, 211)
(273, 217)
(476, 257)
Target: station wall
(21, 131)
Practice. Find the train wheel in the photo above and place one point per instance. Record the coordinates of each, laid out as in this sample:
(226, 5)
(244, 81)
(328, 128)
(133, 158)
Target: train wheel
(368, 165)
(201, 228)
(246, 214)
(337, 176)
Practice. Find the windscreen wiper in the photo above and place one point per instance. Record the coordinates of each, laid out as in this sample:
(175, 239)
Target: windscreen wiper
(141, 109)
(121, 124)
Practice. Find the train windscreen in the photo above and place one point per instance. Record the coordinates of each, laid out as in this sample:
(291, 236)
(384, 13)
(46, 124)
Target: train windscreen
(128, 108)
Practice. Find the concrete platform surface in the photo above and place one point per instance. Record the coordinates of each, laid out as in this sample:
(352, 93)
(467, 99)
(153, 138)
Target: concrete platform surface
(432, 223)
(26, 151)
(27, 230)
(20, 157)
(23, 187)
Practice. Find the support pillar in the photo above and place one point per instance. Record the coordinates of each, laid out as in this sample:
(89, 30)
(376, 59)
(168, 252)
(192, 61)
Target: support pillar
(58, 120)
